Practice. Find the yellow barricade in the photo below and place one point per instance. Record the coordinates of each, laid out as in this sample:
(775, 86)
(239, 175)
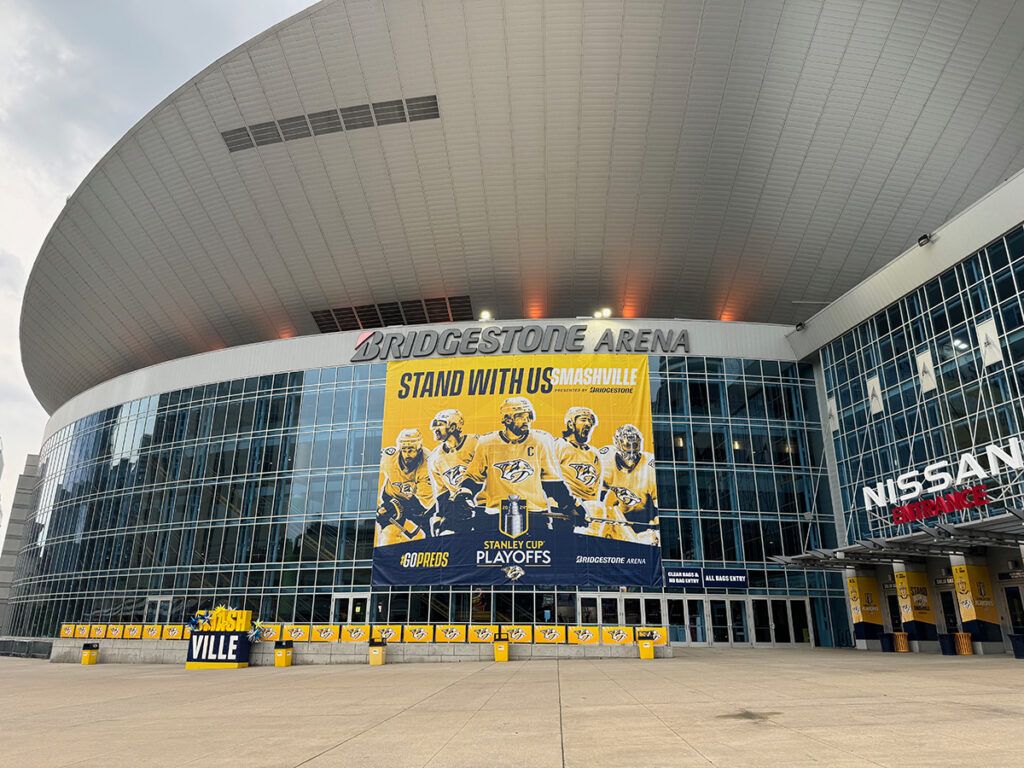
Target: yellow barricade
(418, 633)
(450, 633)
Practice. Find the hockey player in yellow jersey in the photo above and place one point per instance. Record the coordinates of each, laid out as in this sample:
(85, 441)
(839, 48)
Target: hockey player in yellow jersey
(631, 493)
(577, 459)
(406, 491)
(448, 462)
(518, 462)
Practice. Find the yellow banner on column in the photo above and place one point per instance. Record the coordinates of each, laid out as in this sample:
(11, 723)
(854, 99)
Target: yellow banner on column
(914, 596)
(864, 599)
(974, 593)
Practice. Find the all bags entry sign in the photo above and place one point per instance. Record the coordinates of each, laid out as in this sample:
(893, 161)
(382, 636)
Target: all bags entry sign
(532, 469)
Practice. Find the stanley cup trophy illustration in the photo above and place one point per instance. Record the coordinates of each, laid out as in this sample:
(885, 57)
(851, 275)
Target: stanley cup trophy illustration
(513, 521)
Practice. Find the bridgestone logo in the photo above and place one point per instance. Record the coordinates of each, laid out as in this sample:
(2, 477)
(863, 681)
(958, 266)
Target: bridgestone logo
(514, 339)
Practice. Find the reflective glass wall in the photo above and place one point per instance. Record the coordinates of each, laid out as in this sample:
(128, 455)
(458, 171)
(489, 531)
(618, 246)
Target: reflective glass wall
(262, 493)
(946, 386)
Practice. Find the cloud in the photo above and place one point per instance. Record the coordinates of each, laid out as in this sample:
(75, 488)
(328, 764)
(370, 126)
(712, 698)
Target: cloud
(74, 77)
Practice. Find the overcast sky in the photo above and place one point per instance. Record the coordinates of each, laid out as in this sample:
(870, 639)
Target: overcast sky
(75, 75)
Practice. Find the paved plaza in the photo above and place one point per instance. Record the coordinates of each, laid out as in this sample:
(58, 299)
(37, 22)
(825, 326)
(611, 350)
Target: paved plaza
(705, 707)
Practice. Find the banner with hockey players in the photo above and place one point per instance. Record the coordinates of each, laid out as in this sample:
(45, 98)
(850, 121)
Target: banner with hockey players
(529, 469)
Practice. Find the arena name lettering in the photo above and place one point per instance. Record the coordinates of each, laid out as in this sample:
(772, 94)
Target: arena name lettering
(940, 476)
(509, 381)
(514, 339)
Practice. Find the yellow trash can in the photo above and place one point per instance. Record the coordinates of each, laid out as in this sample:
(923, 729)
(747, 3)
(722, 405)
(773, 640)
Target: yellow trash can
(500, 647)
(283, 651)
(963, 644)
(90, 653)
(901, 641)
(645, 641)
(378, 652)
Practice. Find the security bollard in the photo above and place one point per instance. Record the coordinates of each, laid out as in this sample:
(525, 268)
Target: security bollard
(283, 651)
(501, 647)
(90, 653)
(378, 649)
(645, 641)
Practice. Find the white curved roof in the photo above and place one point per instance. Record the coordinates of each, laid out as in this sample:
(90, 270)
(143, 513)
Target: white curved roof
(664, 158)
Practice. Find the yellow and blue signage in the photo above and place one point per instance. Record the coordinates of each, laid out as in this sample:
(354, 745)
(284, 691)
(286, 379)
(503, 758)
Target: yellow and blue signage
(534, 469)
(915, 602)
(450, 633)
(865, 607)
(220, 639)
(976, 600)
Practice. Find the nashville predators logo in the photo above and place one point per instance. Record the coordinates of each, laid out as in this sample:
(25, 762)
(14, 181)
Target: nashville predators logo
(356, 633)
(417, 633)
(618, 635)
(583, 635)
(325, 633)
(386, 633)
(295, 633)
(172, 632)
(453, 476)
(450, 633)
(514, 470)
(483, 633)
(405, 490)
(585, 473)
(517, 633)
(514, 572)
(267, 632)
(627, 497)
(152, 631)
(549, 634)
(133, 632)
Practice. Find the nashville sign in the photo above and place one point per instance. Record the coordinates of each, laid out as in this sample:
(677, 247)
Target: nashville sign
(965, 475)
(514, 339)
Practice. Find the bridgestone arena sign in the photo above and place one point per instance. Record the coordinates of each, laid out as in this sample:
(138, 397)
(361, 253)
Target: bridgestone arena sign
(515, 339)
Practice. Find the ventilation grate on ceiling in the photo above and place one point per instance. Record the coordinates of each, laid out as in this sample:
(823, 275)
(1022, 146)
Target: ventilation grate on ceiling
(352, 118)
(238, 139)
(357, 117)
(422, 108)
(415, 312)
(294, 128)
(325, 122)
(388, 112)
(265, 133)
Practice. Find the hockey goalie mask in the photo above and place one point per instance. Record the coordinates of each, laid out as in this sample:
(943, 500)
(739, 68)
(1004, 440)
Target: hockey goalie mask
(629, 444)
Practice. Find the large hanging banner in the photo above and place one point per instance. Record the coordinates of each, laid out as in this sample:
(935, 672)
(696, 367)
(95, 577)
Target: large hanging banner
(533, 469)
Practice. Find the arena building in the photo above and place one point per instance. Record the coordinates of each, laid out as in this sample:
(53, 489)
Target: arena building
(253, 320)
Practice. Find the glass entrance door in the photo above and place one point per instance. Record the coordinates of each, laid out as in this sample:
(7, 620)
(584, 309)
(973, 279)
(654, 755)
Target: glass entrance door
(729, 623)
(630, 610)
(1016, 607)
(780, 621)
(600, 608)
(350, 608)
(158, 610)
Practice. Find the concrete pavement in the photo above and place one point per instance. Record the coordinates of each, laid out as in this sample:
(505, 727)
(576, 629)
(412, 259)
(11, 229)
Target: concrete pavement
(704, 708)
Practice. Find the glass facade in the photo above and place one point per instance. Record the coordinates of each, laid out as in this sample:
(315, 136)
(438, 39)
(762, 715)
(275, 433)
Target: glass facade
(262, 493)
(972, 395)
